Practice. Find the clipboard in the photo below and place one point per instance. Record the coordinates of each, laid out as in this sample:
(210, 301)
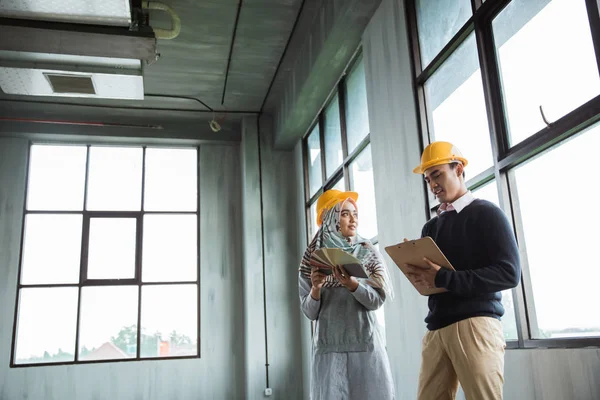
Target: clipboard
(412, 252)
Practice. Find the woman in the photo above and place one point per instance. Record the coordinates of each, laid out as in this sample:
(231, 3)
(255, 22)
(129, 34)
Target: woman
(349, 357)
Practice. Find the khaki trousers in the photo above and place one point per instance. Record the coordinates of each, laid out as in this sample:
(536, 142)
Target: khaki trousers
(470, 351)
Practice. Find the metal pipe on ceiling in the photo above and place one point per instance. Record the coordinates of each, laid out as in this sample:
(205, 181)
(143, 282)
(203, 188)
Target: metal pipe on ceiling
(81, 123)
(125, 107)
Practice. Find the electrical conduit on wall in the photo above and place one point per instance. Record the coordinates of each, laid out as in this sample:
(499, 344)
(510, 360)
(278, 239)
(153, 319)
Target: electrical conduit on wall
(166, 34)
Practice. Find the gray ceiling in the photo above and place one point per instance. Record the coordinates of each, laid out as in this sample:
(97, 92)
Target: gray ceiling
(195, 64)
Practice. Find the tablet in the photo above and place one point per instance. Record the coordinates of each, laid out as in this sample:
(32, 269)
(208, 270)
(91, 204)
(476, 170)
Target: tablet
(412, 252)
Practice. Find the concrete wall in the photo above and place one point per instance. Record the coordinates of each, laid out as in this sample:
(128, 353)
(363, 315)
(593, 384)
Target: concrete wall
(327, 36)
(217, 375)
(272, 256)
(529, 374)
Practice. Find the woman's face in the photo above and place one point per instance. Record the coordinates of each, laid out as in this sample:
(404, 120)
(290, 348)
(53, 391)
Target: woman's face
(348, 219)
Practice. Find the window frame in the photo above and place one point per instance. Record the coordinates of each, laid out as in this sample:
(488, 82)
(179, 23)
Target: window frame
(343, 171)
(505, 157)
(83, 279)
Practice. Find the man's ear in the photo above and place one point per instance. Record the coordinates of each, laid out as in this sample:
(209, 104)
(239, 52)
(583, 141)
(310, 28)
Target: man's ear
(459, 169)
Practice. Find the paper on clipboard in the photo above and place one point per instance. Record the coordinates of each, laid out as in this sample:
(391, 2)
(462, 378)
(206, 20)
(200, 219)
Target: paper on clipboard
(412, 252)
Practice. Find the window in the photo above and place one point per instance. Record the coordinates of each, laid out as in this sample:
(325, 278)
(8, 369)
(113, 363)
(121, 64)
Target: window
(457, 107)
(438, 21)
(346, 163)
(542, 66)
(356, 107)
(515, 85)
(109, 263)
(489, 192)
(560, 244)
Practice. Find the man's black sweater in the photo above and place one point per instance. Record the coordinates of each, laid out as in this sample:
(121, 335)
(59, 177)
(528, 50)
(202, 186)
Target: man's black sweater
(480, 244)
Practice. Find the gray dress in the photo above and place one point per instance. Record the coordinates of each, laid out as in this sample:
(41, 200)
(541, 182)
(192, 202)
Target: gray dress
(349, 357)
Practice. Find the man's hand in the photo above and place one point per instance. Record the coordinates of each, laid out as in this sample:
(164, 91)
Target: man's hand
(423, 276)
(349, 282)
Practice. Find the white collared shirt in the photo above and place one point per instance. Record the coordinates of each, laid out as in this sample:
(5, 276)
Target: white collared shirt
(463, 201)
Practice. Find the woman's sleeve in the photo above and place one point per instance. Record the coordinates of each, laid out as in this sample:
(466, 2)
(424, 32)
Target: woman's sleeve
(310, 307)
(368, 296)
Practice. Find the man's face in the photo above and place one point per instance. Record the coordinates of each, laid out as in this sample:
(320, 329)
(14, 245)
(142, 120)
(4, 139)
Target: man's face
(445, 182)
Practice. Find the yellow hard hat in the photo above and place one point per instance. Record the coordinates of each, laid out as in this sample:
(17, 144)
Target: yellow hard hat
(438, 153)
(330, 198)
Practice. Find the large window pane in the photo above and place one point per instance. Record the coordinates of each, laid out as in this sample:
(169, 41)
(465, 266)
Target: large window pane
(312, 225)
(456, 107)
(333, 137)
(56, 177)
(489, 192)
(170, 249)
(108, 326)
(362, 182)
(171, 180)
(169, 321)
(315, 177)
(561, 238)
(46, 325)
(438, 21)
(357, 110)
(112, 248)
(339, 185)
(51, 249)
(546, 59)
(115, 179)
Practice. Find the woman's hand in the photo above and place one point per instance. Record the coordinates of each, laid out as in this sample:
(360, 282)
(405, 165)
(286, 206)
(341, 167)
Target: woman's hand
(349, 282)
(317, 280)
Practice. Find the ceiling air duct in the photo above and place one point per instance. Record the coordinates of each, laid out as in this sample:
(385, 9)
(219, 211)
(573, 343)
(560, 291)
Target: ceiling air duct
(74, 48)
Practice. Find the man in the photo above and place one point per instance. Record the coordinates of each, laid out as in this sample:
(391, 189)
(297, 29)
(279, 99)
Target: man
(465, 341)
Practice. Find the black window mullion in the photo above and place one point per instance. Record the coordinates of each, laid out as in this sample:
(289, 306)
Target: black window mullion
(343, 128)
(475, 4)
(20, 268)
(84, 253)
(305, 175)
(139, 257)
(321, 123)
(139, 328)
(139, 232)
(411, 12)
(447, 51)
(571, 124)
(143, 178)
(523, 311)
(198, 255)
(594, 18)
(419, 90)
(492, 89)
(504, 196)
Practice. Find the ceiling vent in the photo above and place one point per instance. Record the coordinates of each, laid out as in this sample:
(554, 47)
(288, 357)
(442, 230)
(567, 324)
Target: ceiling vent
(37, 74)
(95, 12)
(72, 84)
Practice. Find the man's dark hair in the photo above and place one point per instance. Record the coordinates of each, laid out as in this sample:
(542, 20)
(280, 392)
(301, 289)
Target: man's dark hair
(453, 166)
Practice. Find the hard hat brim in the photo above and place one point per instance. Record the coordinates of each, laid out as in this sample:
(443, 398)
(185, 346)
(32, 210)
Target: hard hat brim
(333, 201)
(433, 163)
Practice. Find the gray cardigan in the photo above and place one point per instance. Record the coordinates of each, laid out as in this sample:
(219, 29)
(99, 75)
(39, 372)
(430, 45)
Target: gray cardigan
(344, 320)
